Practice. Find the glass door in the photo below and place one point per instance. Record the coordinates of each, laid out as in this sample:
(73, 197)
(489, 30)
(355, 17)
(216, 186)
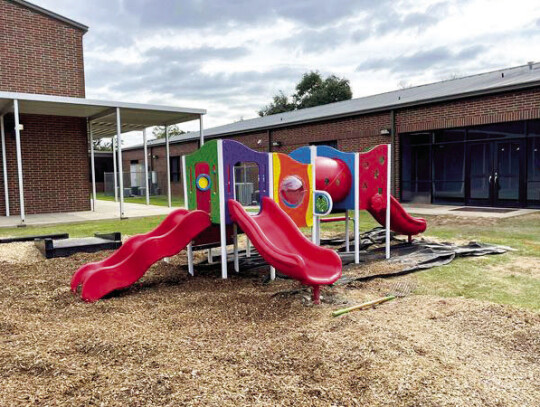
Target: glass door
(507, 171)
(480, 170)
(495, 169)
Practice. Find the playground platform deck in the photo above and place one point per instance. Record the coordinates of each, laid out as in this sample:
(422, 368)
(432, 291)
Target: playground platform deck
(105, 210)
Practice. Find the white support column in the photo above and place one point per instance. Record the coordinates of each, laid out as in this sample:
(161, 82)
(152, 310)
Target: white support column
(356, 208)
(120, 171)
(168, 158)
(271, 195)
(235, 237)
(190, 258)
(347, 231)
(115, 172)
(222, 203)
(146, 183)
(184, 181)
(388, 186)
(210, 256)
(4, 164)
(201, 131)
(314, 228)
(92, 166)
(248, 247)
(19, 159)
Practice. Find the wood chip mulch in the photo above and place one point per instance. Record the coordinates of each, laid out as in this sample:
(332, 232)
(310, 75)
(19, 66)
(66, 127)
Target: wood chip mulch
(172, 340)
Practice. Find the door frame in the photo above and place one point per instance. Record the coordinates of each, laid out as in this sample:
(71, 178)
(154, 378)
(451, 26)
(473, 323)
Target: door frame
(493, 200)
(522, 183)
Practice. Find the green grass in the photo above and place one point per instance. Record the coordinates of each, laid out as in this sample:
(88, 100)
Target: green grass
(160, 200)
(512, 278)
(131, 226)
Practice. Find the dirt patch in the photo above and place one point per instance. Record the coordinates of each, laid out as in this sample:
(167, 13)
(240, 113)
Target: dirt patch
(443, 220)
(20, 253)
(175, 340)
(527, 266)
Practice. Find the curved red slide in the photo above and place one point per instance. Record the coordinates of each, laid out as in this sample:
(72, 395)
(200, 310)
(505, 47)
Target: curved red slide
(129, 263)
(400, 220)
(279, 241)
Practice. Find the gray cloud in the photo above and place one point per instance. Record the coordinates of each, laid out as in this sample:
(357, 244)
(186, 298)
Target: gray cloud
(422, 60)
(182, 55)
(392, 21)
(117, 26)
(314, 40)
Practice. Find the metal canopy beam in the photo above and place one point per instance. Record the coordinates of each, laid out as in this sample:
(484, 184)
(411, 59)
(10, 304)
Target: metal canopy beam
(107, 112)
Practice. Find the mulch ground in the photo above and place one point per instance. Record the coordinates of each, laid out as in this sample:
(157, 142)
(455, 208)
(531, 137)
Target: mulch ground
(175, 340)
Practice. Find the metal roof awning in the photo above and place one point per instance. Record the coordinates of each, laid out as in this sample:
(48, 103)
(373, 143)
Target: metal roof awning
(102, 114)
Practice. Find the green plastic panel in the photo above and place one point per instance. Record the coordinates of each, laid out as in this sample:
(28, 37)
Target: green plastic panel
(208, 154)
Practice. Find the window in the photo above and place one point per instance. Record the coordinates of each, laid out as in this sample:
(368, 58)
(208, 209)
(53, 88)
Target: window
(533, 170)
(246, 183)
(175, 168)
(329, 143)
(449, 170)
(449, 136)
(496, 131)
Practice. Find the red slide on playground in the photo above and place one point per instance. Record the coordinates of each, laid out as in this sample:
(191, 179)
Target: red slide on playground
(400, 221)
(129, 263)
(279, 241)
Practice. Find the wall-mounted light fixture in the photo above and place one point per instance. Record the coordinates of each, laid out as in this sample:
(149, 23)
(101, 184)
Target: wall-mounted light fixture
(259, 142)
(277, 143)
(155, 157)
(386, 132)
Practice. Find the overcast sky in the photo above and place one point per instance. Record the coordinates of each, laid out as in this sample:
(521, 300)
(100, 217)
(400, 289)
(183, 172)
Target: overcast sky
(231, 56)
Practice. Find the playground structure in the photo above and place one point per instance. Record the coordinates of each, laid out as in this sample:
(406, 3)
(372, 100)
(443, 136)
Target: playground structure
(295, 190)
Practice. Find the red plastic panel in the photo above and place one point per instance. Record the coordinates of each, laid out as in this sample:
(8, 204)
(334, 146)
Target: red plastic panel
(373, 172)
(203, 197)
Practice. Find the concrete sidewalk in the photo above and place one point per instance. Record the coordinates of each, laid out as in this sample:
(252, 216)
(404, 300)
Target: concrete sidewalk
(104, 210)
(465, 211)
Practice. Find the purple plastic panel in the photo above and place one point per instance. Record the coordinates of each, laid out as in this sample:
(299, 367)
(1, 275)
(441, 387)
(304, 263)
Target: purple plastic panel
(233, 153)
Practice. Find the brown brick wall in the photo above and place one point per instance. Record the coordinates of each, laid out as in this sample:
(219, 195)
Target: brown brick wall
(503, 107)
(355, 133)
(55, 166)
(39, 54)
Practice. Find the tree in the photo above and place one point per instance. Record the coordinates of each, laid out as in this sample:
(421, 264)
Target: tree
(102, 145)
(280, 104)
(159, 131)
(312, 90)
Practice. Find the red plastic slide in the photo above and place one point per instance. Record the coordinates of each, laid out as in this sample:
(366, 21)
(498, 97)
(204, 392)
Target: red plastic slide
(126, 265)
(279, 241)
(400, 221)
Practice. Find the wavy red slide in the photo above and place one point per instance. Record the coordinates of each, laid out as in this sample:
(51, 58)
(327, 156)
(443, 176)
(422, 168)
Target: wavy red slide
(279, 241)
(129, 263)
(400, 220)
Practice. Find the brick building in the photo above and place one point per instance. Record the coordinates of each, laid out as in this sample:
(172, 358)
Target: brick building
(468, 141)
(45, 117)
(27, 33)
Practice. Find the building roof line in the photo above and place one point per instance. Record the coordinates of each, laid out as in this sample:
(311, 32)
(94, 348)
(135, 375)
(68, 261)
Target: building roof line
(51, 14)
(515, 80)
